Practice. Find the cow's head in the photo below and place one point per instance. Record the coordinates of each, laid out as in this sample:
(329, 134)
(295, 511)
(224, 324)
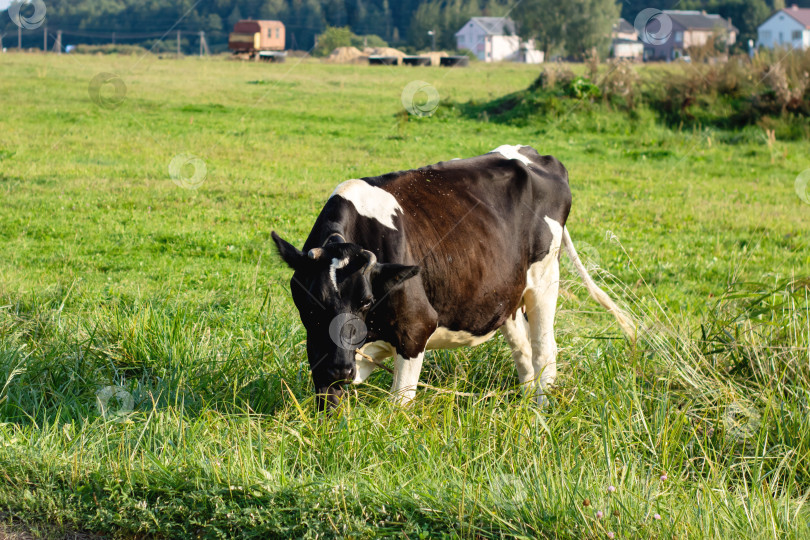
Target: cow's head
(335, 287)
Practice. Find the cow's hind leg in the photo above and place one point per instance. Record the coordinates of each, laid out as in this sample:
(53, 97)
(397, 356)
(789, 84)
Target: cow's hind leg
(541, 304)
(517, 336)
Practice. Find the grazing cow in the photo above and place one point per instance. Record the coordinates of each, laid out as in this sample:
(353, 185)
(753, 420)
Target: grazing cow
(436, 258)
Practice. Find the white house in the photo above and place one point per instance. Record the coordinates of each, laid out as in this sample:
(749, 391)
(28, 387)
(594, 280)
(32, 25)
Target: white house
(789, 27)
(493, 39)
(625, 42)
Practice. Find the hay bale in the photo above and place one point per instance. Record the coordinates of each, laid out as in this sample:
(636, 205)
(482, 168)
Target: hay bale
(434, 56)
(383, 51)
(346, 55)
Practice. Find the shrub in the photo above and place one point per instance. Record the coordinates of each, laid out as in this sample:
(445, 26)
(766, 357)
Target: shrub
(771, 91)
(334, 37)
(111, 49)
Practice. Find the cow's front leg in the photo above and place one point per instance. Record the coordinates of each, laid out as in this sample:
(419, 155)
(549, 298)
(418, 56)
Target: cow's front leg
(364, 370)
(378, 351)
(406, 378)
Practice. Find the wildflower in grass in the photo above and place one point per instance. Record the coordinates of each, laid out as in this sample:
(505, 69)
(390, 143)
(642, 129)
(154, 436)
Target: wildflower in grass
(611, 489)
(599, 514)
(664, 477)
(586, 502)
(611, 534)
(657, 517)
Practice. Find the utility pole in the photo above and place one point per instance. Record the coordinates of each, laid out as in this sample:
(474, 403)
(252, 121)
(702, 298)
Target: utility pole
(58, 45)
(202, 37)
(44, 39)
(178, 44)
(19, 37)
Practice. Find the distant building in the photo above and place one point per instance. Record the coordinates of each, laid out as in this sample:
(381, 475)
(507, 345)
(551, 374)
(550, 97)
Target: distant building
(625, 42)
(252, 37)
(624, 30)
(494, 39)
(688, 29)
(789, 27)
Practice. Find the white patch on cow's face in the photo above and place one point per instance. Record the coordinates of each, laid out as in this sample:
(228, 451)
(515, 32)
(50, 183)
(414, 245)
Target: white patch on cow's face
(443, 338)
(337, 264)
(369, 201)
(511, 152)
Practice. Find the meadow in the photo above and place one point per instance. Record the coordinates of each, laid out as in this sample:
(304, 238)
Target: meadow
(153, 371)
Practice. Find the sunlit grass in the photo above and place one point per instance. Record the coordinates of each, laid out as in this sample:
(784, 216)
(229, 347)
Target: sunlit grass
(112, 276)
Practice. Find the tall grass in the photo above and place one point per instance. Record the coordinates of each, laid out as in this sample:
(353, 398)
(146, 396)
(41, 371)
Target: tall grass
(153, 376)
(223, 438)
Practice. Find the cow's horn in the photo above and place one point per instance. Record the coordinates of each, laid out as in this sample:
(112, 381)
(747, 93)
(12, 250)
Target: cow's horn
(315, 253)
(372, 260)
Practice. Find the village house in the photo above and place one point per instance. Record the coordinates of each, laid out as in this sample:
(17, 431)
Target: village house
(494, 39)
(789, 27)
(689, 29)
(625, 43)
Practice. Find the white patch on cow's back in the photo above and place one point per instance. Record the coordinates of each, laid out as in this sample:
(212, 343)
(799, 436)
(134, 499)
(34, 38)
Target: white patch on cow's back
(369, 201)
(444, 338)
(337, 264)
(510, 151)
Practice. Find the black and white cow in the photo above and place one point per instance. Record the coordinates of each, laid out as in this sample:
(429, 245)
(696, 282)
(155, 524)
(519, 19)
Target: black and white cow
(435, 258)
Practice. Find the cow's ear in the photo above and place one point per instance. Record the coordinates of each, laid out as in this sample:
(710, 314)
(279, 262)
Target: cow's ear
(294, 257)
(385, 277)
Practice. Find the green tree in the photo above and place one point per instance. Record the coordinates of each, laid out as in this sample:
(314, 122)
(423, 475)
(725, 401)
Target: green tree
(272, 9)
(332, 38)
(571, 27)
(234, 17)
(543, 21)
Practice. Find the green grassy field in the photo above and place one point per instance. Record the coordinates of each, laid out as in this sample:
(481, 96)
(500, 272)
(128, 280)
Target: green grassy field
(119, 286)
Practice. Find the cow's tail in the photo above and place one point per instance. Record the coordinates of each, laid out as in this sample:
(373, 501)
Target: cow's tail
(596, 293)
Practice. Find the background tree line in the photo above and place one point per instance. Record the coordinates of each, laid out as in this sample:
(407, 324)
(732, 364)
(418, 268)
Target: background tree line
(569, 27)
